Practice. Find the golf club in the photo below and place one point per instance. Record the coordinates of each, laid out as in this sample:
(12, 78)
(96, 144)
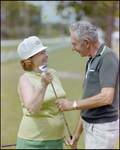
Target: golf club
(45, 69)
(6, 145)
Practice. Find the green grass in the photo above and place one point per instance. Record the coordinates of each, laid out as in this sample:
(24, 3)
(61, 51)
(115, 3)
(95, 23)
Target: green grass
(11, 111)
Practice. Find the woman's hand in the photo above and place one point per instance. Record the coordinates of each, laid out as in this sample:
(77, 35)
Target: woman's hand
(64, 141)
(46, 78)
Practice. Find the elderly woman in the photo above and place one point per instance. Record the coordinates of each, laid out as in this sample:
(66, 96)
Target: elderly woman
(42, 125)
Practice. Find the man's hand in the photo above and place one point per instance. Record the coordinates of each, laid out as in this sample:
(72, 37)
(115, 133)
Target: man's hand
(64, 105)
(73, 142)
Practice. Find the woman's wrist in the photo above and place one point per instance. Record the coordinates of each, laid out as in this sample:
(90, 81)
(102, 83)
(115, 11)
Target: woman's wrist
(42, 84)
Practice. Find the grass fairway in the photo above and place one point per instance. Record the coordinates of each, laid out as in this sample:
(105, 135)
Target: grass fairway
(11, 112)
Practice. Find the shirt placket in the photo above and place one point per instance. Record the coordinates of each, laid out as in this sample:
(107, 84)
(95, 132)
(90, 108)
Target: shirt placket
(88, 68)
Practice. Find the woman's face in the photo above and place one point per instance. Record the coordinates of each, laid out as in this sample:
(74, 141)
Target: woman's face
(40, 59)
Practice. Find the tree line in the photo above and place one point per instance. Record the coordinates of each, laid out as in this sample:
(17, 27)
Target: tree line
(101, 14)
(20, 19)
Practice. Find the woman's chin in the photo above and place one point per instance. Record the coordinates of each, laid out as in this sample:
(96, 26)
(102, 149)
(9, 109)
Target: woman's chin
(45, 64)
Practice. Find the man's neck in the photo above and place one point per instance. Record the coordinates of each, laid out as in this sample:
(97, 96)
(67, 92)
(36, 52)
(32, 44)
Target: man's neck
(94, 48)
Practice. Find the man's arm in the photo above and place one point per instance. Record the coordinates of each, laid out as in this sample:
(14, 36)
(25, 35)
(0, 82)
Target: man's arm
(104, 98)
(76, 135)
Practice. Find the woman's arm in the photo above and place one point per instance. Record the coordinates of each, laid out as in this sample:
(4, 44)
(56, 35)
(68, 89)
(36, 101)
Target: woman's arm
(33, 99)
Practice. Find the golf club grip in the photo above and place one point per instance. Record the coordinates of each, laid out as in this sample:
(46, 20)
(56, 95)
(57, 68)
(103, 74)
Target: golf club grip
(71, 138)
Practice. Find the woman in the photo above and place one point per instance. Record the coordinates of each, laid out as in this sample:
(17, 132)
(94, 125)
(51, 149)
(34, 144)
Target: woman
(42, 125)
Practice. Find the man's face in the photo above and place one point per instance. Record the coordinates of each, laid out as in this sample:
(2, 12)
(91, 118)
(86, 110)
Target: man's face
(77, 46)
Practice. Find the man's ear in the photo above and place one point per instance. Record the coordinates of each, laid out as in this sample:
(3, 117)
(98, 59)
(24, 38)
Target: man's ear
(86, 41)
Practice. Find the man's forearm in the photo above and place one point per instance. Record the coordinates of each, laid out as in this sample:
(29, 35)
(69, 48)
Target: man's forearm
(79, 128)
(105, 97)
(101, 99)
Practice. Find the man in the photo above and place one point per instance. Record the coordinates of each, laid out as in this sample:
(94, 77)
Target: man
(100, 102)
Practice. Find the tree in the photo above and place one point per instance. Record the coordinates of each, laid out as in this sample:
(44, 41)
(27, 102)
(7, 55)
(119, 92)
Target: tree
(101, 14)
(19, 19)
(10, 9)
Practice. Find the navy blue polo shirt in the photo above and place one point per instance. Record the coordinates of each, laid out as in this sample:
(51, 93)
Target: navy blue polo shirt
(101, 71)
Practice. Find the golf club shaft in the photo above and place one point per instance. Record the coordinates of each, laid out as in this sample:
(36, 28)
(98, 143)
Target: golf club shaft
(6, 145)
(62, 113)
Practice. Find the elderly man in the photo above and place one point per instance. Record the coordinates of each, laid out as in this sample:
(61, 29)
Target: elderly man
(100, 102)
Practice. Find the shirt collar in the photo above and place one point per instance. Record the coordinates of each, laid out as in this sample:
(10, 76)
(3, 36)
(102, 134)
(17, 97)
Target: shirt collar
(100, 50)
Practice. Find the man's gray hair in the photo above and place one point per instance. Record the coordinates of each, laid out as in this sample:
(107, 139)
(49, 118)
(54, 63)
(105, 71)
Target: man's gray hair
(84, 30)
